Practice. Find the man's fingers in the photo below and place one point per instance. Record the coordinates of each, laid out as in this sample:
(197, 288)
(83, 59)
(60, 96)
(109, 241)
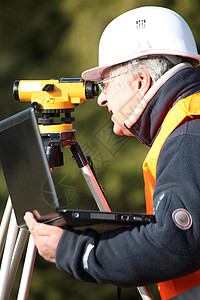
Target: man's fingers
(35, 227)
(39, 229)
(30, 220)
(46, 237)
(28, 216)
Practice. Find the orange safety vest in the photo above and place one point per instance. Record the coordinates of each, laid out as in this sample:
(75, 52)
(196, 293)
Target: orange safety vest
(186, 107)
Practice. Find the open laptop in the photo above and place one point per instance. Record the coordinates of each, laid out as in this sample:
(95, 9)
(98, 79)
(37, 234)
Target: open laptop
(30, 182)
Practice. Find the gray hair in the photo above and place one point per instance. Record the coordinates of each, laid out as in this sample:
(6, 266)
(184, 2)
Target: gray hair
(157, 65)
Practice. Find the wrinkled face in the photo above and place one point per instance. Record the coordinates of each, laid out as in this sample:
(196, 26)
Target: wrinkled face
(121, 96)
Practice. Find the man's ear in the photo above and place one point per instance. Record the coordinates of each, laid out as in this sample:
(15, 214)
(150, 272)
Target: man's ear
(144, 81)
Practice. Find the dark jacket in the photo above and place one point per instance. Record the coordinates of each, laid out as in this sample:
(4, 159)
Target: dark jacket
(155, 252)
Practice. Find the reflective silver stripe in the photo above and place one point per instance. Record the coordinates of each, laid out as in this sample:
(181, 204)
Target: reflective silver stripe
(86, 255)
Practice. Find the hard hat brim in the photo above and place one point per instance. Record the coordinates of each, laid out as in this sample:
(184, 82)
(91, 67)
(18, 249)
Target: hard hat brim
(95, 74)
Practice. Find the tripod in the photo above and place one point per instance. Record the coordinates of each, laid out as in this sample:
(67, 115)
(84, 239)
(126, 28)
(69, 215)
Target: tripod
(15, 241)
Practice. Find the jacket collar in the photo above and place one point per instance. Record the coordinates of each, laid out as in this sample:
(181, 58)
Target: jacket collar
(184, 83)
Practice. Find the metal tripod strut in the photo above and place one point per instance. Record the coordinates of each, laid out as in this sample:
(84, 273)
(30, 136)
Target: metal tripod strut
(5, 223)
(7, 255)
(13, 249)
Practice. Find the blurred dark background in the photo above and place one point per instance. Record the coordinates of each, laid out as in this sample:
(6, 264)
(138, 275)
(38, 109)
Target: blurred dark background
(59, 38)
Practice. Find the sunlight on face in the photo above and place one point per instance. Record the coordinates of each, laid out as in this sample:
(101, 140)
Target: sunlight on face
(122, 97)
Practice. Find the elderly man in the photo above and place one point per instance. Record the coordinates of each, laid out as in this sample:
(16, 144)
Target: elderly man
(150, 86)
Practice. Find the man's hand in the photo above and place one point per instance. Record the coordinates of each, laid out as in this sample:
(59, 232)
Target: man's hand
(46, 237)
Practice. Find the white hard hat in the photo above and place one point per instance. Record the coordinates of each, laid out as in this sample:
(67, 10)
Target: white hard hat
(143, 31)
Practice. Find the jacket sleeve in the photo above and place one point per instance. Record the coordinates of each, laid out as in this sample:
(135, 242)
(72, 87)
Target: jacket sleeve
(146, 254)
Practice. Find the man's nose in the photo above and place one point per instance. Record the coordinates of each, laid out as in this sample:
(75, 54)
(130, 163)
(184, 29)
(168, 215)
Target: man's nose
(102, 101)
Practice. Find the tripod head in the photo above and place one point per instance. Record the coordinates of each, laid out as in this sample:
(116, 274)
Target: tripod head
(51, 99)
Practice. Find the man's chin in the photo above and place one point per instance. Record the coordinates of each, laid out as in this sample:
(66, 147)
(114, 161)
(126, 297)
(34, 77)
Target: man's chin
(122, 131)
(117, 130)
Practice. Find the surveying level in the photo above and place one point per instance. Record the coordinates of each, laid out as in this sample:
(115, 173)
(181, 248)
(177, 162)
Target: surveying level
(52, 98)
(63, 93)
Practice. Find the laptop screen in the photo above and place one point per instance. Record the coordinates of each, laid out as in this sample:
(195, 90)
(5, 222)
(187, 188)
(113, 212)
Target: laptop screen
(25, 166)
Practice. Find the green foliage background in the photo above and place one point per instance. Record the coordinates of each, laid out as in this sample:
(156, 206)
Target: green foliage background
(59, 38)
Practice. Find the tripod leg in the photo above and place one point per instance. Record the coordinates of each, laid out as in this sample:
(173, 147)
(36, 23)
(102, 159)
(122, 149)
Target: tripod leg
(27, 270)
(81, 160)
(7, 257)
(95, 189)
(10, 261)
(19, 247)
(145, 293)
(5, 224)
